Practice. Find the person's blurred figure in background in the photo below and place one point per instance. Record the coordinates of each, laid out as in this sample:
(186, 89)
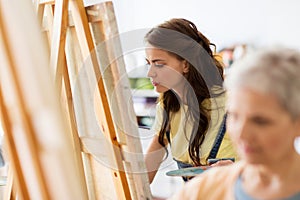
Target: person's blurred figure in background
(263, 121)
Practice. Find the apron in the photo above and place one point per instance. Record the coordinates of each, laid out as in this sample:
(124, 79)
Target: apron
(213, 153)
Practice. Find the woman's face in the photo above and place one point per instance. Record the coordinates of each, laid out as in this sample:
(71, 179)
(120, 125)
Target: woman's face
(262, 129)
(165, 70)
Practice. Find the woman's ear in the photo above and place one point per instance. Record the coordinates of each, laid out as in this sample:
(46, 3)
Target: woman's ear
(186, 67)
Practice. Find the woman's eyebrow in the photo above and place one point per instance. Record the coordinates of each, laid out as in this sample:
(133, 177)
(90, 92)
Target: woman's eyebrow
(154, 60)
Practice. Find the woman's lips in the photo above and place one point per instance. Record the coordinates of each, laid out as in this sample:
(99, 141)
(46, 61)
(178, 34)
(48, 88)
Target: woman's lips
(155, 83)
(248, 149)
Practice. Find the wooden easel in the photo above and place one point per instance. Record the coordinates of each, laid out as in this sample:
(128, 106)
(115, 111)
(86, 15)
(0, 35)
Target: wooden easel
(111, 154)
(91, 29)
(38, 141)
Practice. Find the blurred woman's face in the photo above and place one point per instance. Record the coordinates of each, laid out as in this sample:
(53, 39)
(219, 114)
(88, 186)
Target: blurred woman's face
(165, 70)
(262, 129)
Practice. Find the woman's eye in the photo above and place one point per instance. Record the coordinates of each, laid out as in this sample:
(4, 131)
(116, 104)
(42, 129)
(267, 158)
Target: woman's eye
(158, 65)
(261, 121)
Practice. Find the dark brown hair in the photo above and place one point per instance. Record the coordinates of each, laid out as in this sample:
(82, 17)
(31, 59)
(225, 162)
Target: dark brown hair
(181, 38)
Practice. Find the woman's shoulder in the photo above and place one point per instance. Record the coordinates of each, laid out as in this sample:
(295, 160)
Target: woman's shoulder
(215, 102)
(221, 173)
(205, 184)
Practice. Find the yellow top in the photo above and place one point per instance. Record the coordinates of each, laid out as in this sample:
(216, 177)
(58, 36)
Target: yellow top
(181, 131)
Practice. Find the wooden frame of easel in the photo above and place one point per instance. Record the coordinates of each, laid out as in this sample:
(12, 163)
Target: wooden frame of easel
(41, 161)
(73, 33)
(91, 29)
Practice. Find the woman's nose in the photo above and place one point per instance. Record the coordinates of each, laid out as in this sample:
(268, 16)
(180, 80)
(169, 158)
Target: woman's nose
(151, 72)
(244, 130)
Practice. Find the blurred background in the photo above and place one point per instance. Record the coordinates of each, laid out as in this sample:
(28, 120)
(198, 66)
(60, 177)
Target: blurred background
(225, 23)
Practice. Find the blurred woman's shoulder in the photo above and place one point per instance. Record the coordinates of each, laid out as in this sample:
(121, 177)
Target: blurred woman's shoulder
(215, 183)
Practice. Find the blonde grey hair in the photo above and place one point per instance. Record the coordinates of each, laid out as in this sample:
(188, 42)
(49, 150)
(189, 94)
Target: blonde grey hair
(274, 71)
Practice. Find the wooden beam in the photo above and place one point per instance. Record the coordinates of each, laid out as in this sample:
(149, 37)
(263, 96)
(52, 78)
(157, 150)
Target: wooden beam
(87, 48)
(27, 123)
(12, 153)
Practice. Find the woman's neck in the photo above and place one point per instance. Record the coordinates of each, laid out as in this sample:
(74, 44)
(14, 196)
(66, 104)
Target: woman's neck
(280, 169)
(180, 95)
(273, 180)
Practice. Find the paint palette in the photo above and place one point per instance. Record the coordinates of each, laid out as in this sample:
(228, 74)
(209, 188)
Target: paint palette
(187, 172)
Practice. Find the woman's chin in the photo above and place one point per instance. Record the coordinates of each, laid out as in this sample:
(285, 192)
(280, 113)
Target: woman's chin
(161, 89)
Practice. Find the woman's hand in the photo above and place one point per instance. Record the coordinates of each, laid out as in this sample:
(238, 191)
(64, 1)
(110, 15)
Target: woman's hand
(222, 163)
